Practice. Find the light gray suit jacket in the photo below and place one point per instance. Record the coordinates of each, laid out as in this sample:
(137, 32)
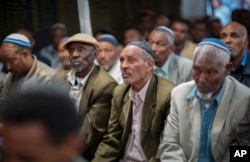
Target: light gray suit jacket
(180, 69)
(182, 132)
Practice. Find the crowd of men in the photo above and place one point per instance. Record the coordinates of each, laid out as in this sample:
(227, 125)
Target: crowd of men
(161, 97)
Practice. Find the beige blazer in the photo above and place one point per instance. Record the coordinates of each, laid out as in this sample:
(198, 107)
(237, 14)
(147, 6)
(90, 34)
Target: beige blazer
(155, 110)
(181, 134)
(95, 107)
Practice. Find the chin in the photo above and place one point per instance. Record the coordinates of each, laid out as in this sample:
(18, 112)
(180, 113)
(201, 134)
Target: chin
(205, 96)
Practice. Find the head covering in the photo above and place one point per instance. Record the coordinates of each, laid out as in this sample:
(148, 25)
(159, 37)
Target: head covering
(216, 43)
(18, 39)
(108, 38)
(81, 38)
(143, 45)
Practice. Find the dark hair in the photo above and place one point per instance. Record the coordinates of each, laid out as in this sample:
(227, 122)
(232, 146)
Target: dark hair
(47, 105)
(134, 27)
(181, 20)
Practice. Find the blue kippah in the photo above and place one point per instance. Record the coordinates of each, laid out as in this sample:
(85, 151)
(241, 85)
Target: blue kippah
(108, 38)
(17, 39)
(217, 43)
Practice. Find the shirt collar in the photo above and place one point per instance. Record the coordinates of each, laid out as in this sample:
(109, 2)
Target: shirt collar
(193, 93)
(71, 77)
(164, 67)
(244, 59)
(141, 93)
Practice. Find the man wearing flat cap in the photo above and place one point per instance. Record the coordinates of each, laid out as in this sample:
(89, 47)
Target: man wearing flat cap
(24, 68)
(90, 88)
(208, 114)
(139, 109)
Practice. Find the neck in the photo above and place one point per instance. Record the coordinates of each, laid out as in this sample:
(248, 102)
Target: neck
(179, 47)
(237, 60)
(141, 83)
(83, 73)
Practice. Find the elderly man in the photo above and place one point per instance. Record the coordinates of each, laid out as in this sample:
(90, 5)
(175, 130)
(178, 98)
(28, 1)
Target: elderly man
(24, 69)
(208, 114)
(35, 128)
(90, 88)
(167, 64)
(108, 56)
(235, 36)
(139, 108)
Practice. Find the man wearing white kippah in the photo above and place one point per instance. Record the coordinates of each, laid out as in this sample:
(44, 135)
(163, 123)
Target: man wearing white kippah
(209, 114)
(167, 64)
(24, 68)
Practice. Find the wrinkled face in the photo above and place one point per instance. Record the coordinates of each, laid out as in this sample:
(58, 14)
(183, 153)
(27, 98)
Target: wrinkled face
(14, 59)
(81, 56)
(28, 143)
(233, 36)
(180, 32)
(135, 70)
(107, 55)
(208, 72)
(159, 44)
(132, 35)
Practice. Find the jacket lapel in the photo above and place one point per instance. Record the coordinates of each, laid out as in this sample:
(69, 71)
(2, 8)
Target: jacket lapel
(173, 71)
(193, 113)
(221, 114)
(148, 110)
(87, 93)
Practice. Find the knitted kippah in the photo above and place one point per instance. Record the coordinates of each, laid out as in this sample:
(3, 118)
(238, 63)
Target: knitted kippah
(17, 39)
(144, 45)
(108, 38)
(217, 43)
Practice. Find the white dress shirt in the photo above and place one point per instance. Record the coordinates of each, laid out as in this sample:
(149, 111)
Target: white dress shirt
(77, 85)
(133, 151)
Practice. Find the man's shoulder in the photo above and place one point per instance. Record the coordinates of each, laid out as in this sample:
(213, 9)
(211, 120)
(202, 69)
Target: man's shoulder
(45, 68)
(163, 83)
(237, 87)
(184, 88)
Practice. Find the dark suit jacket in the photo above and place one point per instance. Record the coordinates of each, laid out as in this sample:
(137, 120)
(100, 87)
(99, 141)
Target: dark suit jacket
(155, 111)
(95, 107)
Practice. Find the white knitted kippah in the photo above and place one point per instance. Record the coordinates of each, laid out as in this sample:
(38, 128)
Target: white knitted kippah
(18, 39)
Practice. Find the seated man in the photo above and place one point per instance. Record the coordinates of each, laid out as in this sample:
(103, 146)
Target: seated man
(235, 36)
(108, 56)
(24, 68)
(167, 64)
(90, 88)
(139, 109)
(35, 128)
(208, 114)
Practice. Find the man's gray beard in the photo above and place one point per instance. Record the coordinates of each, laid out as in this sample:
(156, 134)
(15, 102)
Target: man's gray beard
(206, 97)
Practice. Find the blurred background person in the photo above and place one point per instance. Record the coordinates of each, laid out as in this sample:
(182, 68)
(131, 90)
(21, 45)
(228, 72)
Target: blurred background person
(146, 21)
(49, 52)
(198, 31)
(132, 33)
(162, 20)
(63, 56)
(24, 68)
(183, 46)
(214, 27)
(108, 56)
(35, 129)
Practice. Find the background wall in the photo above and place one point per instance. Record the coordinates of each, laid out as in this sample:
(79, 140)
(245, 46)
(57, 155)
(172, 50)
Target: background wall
(39, 15)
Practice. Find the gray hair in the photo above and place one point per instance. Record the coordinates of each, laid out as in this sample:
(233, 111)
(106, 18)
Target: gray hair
(169, 32)
(218, 51)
